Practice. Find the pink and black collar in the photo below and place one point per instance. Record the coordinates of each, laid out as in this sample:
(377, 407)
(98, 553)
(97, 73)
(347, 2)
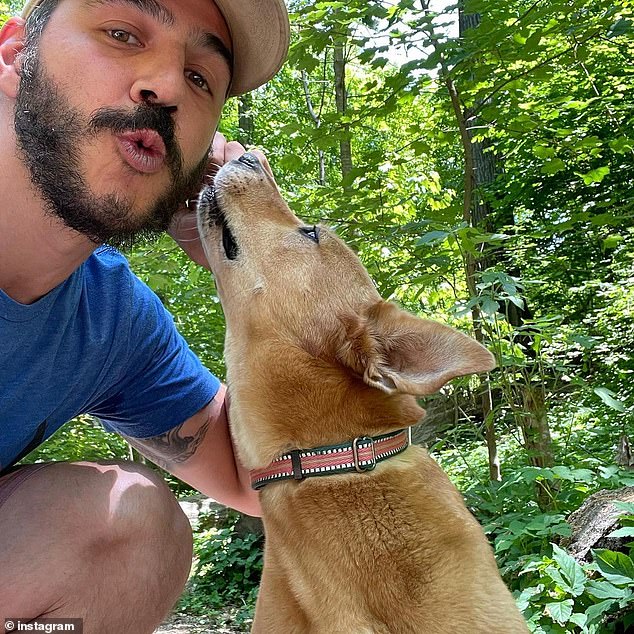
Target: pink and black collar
(362, 454)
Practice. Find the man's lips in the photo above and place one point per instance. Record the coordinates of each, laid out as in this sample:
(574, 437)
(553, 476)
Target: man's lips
(143, 150)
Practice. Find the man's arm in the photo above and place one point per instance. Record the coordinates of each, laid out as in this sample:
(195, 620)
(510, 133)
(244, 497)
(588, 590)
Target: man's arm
(200, 452)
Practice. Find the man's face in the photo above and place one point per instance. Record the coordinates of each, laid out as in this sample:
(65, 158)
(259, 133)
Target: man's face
(117, 107)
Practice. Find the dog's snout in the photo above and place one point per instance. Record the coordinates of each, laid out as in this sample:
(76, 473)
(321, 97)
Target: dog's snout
(250, 160)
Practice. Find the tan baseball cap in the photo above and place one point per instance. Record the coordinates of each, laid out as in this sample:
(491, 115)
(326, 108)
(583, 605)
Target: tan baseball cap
(260, 35)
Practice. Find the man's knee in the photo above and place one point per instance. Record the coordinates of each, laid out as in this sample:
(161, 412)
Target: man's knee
(139, 500)
(138, 510)
(105, 506)
(104, 525)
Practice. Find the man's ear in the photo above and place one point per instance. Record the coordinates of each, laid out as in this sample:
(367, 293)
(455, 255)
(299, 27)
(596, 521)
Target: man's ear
(395, 351)
(11, 44)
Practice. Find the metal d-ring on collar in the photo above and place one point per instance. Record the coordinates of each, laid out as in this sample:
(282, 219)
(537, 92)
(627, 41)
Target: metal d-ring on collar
(360, 455)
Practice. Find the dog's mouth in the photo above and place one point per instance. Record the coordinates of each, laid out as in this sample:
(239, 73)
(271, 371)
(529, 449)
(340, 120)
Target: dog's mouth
(229, 243)
(217, 217)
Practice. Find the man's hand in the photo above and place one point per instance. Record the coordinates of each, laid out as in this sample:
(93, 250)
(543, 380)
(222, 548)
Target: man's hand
(184, 228)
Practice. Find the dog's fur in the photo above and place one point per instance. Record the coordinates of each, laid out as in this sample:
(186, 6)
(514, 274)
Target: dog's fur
(316, 357)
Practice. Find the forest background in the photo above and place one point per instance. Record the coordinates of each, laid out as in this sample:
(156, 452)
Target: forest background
(478, 157)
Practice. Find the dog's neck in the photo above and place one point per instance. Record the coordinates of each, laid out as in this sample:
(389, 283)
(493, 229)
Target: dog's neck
(303, 415)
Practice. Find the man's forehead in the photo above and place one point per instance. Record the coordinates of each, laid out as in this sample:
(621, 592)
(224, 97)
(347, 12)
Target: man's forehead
(153, 8)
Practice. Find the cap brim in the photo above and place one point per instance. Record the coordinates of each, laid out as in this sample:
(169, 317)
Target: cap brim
(260, 35)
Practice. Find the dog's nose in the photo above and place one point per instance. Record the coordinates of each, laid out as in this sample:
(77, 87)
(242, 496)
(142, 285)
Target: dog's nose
(250, 160)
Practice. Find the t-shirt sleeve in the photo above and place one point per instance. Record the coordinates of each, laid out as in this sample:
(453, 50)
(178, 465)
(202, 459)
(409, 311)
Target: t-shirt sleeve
(162, 383)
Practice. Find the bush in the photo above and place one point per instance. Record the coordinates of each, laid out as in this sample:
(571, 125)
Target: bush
(226, 573)
(555, 593)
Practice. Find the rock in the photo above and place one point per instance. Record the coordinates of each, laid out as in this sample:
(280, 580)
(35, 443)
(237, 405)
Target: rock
(195, 505)
(218, 516)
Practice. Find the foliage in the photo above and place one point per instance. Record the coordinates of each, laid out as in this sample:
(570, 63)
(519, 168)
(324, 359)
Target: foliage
(526, 541)
(83, 439)
(566, 596)
(227, 572)
(4, 13)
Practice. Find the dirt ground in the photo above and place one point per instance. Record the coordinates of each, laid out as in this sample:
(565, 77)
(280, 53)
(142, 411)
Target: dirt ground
(183, 624)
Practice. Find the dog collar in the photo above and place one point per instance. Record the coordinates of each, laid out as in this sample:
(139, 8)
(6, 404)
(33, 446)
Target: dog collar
(362, 454)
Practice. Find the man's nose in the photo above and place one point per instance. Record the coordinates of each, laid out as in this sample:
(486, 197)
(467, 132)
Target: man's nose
(160, 82)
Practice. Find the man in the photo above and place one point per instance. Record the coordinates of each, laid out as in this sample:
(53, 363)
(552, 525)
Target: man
(107, 113)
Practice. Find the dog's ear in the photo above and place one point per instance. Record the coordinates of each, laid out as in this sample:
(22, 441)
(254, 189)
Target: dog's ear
(394, 351)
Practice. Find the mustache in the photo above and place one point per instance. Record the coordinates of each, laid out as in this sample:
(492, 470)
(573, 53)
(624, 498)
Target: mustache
(144, 116)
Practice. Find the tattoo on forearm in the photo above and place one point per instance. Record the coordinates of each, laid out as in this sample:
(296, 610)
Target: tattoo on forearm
(170, 448)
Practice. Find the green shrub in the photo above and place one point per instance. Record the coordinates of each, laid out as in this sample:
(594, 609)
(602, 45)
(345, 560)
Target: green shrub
(226, 573)
(555, 592)
(562, 595)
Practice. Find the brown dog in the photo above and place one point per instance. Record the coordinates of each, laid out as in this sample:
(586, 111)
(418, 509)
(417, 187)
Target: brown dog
(316, 359)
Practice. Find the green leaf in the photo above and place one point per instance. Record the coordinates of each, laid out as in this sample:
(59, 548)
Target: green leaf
(524, 598)
(622, 145)
(573, 475)
(607, 396)
(594, 612)
(615, 567)
(533, 41)
(605, 590)
(557, 577)
(626, 531)
(543, 151)
(620, 27)
(553, 166)
(586, 341)
(595, 175)
(560, 611)
(578, 619)
(570, 569)
(489, 306)
(433, 237)
(612, 241)
(291, 161)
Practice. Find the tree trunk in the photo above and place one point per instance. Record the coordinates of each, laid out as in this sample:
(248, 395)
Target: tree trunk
(317, 119)
(537, 440)
(245, 120)
(535, 427)
(479, 172)
(341, 98)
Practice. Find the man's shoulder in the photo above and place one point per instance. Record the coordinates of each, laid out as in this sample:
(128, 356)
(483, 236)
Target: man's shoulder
(107, 273)
(108, 260)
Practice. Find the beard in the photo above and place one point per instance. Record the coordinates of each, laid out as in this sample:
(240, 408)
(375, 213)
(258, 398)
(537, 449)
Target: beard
(49, 133)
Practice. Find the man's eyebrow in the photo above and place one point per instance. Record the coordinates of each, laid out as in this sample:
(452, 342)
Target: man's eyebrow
(153, 8)
(213, 44)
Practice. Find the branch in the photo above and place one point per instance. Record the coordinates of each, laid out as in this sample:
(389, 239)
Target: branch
(525, 13)
(309, 101)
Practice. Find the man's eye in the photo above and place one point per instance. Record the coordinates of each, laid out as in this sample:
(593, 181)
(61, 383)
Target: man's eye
(198, 80)
(123, 36)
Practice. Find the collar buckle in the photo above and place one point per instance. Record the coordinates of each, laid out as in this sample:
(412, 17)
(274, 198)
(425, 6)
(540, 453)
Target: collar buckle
(363, 454)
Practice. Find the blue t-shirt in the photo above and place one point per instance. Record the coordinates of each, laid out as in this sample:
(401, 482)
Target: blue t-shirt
(100, 343)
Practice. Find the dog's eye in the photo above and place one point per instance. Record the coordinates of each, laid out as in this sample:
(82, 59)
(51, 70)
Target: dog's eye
(311, 232)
